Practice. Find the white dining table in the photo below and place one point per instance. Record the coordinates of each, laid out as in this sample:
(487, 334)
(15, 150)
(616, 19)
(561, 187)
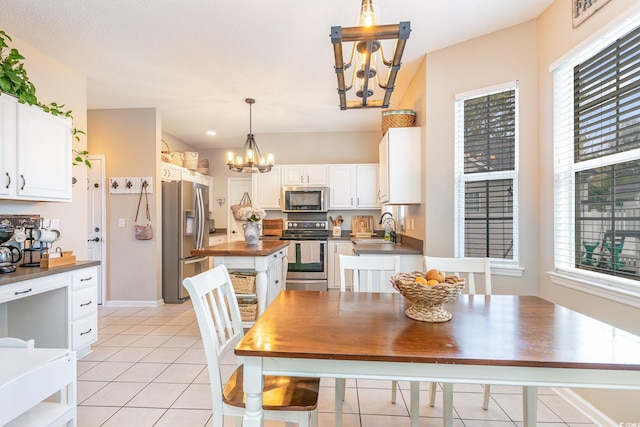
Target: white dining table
(498, 339)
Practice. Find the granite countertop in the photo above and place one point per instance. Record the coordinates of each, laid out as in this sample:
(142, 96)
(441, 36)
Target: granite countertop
(240, 248)
(27, 273)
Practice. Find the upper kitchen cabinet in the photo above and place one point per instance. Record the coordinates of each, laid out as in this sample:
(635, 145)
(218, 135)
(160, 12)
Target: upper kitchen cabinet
(170, 172)
(267, 188)
(399, 175)
(353, 186)
(35, 152)
(305, 175)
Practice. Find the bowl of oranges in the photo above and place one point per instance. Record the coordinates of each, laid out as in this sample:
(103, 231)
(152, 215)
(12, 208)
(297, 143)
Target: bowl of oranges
(428, 292)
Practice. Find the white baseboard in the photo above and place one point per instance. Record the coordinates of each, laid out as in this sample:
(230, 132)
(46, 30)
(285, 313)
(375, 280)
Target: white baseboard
(589, 411)
(144, 304)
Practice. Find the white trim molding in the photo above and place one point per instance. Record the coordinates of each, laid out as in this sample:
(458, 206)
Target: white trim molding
(587, 285)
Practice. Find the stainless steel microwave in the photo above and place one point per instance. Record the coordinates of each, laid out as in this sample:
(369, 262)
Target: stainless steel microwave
(304, 199)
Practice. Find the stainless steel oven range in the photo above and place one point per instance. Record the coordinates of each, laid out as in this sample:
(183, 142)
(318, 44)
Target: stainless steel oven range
(307, 256)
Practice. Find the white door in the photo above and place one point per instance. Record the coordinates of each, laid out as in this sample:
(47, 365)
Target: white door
(96, 221)
(236, 188)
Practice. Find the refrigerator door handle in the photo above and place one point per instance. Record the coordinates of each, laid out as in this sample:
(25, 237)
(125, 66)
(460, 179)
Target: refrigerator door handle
(198, 218)
(196, 260)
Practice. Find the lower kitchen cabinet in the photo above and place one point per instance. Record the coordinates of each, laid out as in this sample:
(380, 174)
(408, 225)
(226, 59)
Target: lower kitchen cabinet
(337, 248)
(84, 309)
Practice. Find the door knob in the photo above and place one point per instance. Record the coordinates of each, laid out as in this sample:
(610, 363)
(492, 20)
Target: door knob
(96, 239)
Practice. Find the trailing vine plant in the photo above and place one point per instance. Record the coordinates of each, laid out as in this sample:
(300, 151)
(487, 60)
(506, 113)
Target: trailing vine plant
(14, 81)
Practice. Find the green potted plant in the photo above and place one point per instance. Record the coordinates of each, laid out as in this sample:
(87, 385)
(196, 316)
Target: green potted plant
(14, 81)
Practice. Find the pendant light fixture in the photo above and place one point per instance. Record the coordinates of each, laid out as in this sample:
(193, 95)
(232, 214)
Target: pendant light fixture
(251, 160)
(367, 58)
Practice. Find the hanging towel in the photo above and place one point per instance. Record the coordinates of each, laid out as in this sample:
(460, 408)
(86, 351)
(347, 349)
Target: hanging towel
(309, 252)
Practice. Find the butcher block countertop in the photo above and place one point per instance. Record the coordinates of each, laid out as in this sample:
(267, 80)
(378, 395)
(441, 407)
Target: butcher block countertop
(263, 248)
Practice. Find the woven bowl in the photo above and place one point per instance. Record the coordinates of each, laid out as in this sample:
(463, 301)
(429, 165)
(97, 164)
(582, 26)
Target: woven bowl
(427, 300)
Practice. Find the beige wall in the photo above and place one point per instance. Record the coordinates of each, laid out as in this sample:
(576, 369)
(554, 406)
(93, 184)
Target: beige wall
(556, 38)
(56, 82)
(497, 58)
(130, 141)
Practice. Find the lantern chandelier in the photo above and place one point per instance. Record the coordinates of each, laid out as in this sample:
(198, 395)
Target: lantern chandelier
(367, 57)
(251, 160)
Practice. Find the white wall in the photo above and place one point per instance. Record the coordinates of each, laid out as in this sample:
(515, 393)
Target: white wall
(56, 82)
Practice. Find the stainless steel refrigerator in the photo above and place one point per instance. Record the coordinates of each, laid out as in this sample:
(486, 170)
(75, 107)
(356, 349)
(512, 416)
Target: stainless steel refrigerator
(185, 226)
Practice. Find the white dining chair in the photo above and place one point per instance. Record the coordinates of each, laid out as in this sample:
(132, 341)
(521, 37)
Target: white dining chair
(467, 268)
(289, 399)
(371, 274)
(10, 342)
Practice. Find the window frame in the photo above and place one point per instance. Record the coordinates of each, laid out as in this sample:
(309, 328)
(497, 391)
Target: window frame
(565, 273)
(501, 266)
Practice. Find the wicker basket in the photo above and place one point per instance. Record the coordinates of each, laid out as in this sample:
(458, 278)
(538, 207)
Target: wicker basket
(427, 300)
(248, 309)
(168, 156)
(190, 160)
(243, 283)
(397, 119)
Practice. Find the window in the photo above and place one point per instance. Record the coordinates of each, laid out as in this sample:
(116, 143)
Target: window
(486, 173)
(597, 159)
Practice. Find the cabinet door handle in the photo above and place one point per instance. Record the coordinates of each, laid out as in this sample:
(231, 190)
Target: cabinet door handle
(8, 180)
(23, 292)
(24, 182)
(85, 333)
(86, 303)
(277, 281)
(85, 279)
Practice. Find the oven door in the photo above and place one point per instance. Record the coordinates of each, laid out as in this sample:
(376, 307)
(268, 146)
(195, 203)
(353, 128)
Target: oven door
(307, 260)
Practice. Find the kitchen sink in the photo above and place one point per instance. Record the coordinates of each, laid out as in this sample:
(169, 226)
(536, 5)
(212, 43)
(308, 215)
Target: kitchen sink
(373, 241)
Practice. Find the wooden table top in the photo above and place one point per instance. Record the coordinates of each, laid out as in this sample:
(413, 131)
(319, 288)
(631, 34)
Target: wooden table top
(240, 248)
(498, 330)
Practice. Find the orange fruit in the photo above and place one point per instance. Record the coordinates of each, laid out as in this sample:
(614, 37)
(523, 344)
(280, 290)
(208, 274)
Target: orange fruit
(435, 274)
(420, 280)
(432, 282)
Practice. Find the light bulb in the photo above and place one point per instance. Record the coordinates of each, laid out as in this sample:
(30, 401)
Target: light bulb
(230, 156)
(270, 159)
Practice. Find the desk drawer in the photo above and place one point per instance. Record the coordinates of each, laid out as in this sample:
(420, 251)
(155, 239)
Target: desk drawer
(84, 332)
(84, 303)
(85, 278)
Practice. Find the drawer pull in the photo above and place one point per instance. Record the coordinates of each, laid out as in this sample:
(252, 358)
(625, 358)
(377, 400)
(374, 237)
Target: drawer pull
(23, 292)
(85, 333)
(84, 280)
(86, 303)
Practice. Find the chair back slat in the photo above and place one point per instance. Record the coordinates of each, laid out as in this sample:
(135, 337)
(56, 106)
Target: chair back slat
(368, 265)
(214, 302)
(464, 267)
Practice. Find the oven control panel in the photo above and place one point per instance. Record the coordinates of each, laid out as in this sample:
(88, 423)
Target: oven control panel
(306, 225)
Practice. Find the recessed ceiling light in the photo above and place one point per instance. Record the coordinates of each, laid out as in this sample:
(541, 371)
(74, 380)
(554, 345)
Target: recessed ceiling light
(211, 132)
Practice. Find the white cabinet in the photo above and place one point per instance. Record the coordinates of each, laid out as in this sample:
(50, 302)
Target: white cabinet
(276, 276)
(36, 153)
(337, 248)
(267, 188)
(216, 239)
(353, 186)
(400, 167)
(169, 172)
(84, 309)
(305, 175)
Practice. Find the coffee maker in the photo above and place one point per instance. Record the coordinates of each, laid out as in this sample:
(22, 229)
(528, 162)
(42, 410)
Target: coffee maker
(8, 254)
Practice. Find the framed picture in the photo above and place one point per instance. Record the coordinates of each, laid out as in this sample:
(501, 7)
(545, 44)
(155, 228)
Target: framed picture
(583, 9)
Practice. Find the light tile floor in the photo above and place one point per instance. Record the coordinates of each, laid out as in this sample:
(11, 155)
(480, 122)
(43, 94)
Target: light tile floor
(148, 369)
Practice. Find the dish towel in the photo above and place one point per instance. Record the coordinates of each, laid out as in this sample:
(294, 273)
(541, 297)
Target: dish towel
(309, 252)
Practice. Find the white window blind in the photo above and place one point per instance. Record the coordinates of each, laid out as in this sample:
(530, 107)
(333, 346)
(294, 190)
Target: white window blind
(597, 159)
(486, 171)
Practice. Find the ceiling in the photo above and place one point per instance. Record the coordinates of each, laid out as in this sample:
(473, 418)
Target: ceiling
(197, 60)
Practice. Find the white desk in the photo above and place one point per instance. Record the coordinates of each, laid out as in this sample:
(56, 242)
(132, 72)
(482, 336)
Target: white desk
(30, 375)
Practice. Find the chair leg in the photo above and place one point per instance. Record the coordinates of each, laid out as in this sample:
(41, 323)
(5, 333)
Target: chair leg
(415, 404)
(340, 393)
(447, 405)
(530, 405)
(487, 394)
(394, 386)
(432, 394)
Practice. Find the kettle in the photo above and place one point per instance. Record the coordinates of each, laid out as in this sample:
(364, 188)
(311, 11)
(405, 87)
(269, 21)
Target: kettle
(10, 254)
